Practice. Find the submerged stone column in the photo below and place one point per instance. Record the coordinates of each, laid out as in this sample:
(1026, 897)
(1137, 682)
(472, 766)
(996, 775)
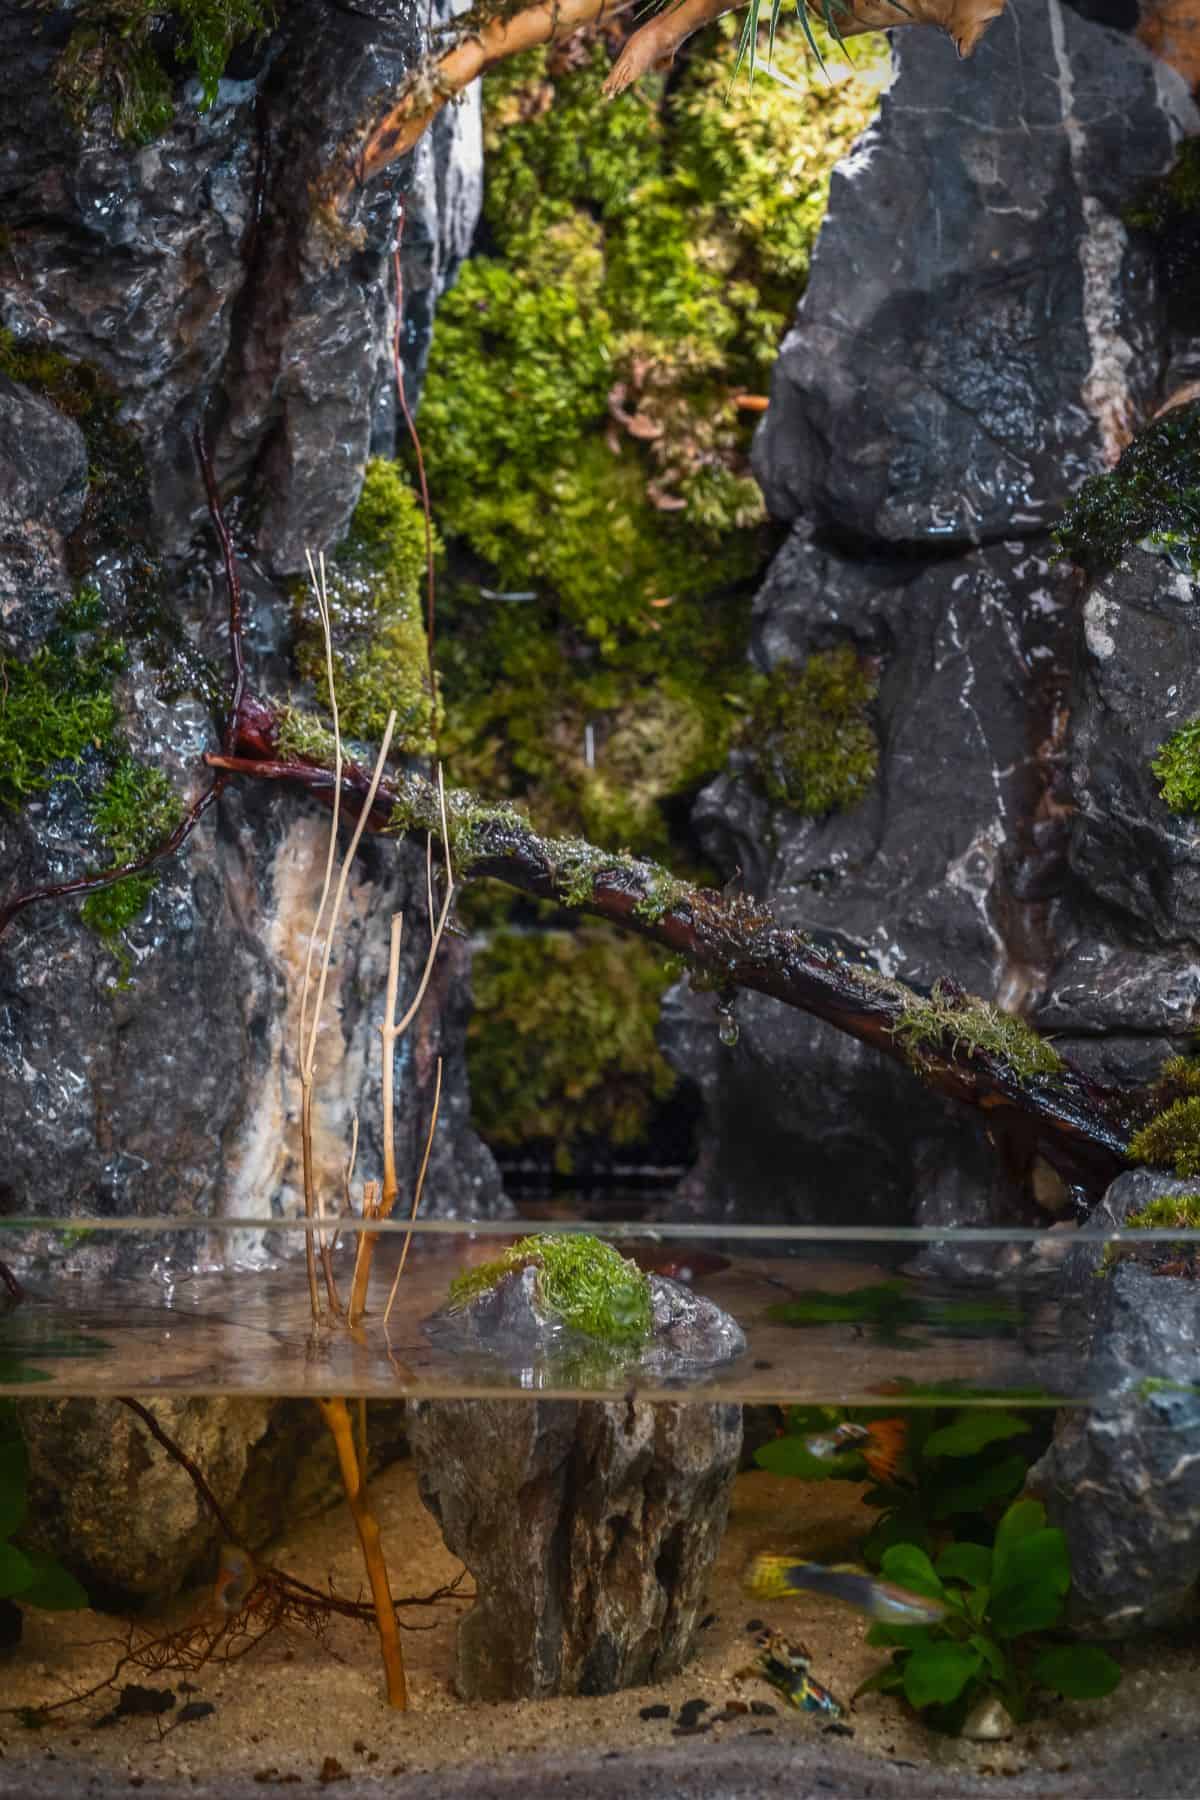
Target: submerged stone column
(590, 1528)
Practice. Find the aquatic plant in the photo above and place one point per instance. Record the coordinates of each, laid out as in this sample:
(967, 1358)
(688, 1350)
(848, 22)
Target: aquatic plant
(1167, 1212)
(561, 1044)
(587, 1284)
(1001, 1600)
(1151, 498)
(1171, 1139)
(127, 54)
(27, 1576)
(811, 730)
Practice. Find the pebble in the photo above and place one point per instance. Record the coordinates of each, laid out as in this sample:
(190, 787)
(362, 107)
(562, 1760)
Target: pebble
(762, 1709)
(690, 1711)
(655, 1712)
(755, 1625)
(988, 1721)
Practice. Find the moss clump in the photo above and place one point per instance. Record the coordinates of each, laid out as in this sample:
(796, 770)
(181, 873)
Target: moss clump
(561, 1045)
(136, 810)
(125, 54)
(1171, 1139)
(54, 709)
(587, 1284)
(1177, 766)
(1151, 498)
(812, 732)
(1169, 211)
(381, 656)
(581, 425)
(950, 1020)
(1167, 1213)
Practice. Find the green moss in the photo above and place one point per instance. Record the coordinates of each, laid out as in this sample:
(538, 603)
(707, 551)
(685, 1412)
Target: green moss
(580, 422)
(812, 733)
(561, 1045)
(587, 1284)
(950, 1020)
(1177, 766)
(1167, 1213)
(1177, 193)
(375, 586)
(54, 709)
(134, 812)
(1151, 498)
(125, 54)
(1171, 1139)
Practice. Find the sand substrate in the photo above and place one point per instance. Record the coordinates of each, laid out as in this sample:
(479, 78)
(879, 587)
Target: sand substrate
(299, 1711)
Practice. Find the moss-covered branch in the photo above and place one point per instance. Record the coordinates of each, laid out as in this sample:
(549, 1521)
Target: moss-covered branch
(960, 1046)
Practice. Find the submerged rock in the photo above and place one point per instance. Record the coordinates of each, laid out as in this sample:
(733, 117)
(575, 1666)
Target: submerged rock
(1122, 1476)
(590, 1529)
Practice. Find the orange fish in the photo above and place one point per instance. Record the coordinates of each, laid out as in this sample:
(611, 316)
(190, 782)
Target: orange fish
(236, 1578)
(880, 1444)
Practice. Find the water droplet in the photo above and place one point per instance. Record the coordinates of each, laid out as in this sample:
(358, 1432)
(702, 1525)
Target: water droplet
(727, 1031)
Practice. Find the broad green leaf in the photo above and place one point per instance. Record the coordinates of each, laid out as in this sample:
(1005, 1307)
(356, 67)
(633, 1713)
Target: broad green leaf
(1022, 1519)
(991, 1653)
(902, 1527)
(1029, 1585)
(966, 1562)
(788, 1456)
(885, 1680)
(998, 1481)
(52, 1587)
(909, 1567)
(12, 1485)
(977, 1601)
(972, 1431)
(903, 1637)
(1077, 1671)
(938, 1672)
(16, 1571)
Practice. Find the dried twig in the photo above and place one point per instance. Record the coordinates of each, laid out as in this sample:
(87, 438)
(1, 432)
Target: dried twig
(337, 1417)
(417, 1192)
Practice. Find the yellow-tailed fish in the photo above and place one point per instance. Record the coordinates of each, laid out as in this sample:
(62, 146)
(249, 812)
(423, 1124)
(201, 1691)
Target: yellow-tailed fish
(236, 1577)
(770, 1577)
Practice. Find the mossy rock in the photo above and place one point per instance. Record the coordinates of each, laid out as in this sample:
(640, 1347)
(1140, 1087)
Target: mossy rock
(1151, 498)
(813, 735)
(586, 1284)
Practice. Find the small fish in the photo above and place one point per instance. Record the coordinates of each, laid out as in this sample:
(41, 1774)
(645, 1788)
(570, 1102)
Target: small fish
(880, 1444)
(515, 597)
(771, 1577)
(236, 1578)
(786, 1666)
(690, 1266)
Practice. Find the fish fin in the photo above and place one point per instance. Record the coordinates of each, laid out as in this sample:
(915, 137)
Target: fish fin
(769, 1577)
(885, 1448)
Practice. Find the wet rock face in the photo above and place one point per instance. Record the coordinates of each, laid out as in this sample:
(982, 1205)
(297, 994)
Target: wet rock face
(977, 332)
(1122, 1477)
(191, 275)
(590, 1530)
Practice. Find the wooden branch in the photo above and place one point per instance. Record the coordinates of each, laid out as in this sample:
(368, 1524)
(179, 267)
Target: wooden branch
(1038, 1103)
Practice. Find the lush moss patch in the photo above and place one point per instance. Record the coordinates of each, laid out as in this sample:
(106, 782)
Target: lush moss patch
(812, 731)
(54, 708)
(380, 652)
(581, 425)
(587, 1284)
(126, 54)
(1171, 1139)
(136, 810)
(1166, 1213)
(949, 1020)
(1152, 497)
(1177, 766)
(561, 1045)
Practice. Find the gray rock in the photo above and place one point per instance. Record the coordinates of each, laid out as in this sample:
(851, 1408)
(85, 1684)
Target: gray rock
(590, 1529)
(43, 462)
(508, 1325)
(1122, 1477)
(978, 332)
(268, 1462)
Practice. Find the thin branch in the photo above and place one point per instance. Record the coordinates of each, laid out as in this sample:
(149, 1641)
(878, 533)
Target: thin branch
(178, 1454)
(337, 1418)
(420, 1189)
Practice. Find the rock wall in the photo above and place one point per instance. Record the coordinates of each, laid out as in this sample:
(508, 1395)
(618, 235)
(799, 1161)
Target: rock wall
(979, 333)
(190, 274)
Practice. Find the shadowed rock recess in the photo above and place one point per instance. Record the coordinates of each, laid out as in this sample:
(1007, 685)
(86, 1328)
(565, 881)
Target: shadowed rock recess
(186, 283)
(980, 332)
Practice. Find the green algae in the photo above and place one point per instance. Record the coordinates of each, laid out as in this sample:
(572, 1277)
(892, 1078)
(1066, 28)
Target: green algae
(1166, 1213)
(587, 1284)
(375, 586)
(949, 1021)
(812, 732)
(1171, 1139)
(135, 810)
(55, 708)
(561, 1045)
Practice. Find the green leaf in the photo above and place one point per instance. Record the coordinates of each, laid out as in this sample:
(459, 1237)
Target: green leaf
(52, 1586)
(13, 1465)
(902, 1637)
(999, 1481)
(1028, 1591)
(971, 1563)
(16, 1571)
(788, 1456)
(909, 1567)
(972, 1431)
(991, 1653)
(1077, 1671)
(937, 1673)
(976, 1602)
(905, 1526)
(1022, 1519)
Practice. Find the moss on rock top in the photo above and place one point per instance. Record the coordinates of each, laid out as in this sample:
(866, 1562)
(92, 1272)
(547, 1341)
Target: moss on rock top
(587, 1284)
